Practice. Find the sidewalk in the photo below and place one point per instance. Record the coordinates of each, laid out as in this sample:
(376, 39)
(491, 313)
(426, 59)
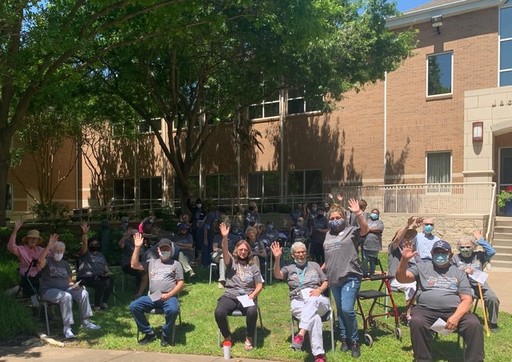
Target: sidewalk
(500, 280)
(51, 354)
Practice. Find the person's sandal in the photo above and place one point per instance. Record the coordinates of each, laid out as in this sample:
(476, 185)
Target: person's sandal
(248, 345)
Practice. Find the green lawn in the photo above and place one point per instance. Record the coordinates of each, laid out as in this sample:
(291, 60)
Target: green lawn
(198, 332)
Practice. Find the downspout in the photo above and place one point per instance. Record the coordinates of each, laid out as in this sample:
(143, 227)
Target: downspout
(282, 113)
(385, 121)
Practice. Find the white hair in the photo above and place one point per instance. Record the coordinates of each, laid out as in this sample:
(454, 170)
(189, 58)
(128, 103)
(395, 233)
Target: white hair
(297, 245)
(59, 244)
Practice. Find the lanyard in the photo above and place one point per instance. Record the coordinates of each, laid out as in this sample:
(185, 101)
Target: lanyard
(301, 274)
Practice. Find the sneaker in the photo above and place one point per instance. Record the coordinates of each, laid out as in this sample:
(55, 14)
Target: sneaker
(97, 308)
(68, 333)
(297, 342)
(164, 342)
(344, 345)
(356, 351)
(320, 358)
(104, 306)
(148, 338)
(220, 285)
(87, 324)
(494, 328)
(191, 274)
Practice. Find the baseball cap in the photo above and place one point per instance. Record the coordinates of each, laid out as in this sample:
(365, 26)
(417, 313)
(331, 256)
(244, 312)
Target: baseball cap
(441, 244)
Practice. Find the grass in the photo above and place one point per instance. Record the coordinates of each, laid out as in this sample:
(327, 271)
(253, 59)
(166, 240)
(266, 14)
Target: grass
(198, 332)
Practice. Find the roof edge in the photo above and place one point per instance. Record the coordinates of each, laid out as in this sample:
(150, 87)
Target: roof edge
(454, 8)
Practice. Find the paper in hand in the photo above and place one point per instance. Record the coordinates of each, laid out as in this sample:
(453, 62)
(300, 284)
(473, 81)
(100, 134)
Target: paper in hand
(246, 302)
(479, 276)
(74, 286)
(155, 296)
(439, 327)
(306, 293)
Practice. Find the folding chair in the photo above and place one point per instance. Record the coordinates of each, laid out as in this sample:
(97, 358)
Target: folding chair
(161, 311)
(327, 317)
(238, 313)
(212, 265)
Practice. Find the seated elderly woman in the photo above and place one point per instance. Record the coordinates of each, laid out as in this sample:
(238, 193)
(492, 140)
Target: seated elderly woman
(27, 254)
(243, 277)
(57, 286)
(307, 282)
(469, 259)
(93, 270)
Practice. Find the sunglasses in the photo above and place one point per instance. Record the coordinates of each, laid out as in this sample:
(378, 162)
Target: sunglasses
(464, 247)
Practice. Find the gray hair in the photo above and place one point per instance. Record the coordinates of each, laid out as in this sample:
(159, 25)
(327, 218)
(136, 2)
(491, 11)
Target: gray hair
(59, 244)
(467, 238)
(297, 245)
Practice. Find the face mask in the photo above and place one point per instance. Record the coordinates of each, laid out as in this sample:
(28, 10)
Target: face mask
(198, 206)
(337, 225)
(58, 256)
(299, 224)
(374, 216)
(164, 255)
(440, 259)
(466, 253)
(300, 263)
(270, 227)
(313, 209)
(428, 228)
(94, 247)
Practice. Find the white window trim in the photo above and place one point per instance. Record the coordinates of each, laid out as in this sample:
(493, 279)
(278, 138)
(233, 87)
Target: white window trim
(500, 40)
(451, 76)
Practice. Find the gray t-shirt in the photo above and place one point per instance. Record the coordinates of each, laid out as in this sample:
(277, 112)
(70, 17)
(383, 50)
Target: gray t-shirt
(92, 265)
(373, 241)
(439, 289)
(476, 262)
(55, 275)
(241, 278)
(341, 256)
(302, 277)
(163, 275)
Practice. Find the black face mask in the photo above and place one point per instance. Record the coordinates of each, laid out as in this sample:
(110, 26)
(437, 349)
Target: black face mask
(94, 247)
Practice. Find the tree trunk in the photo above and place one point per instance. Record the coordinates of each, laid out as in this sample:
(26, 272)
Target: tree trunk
(5, 164)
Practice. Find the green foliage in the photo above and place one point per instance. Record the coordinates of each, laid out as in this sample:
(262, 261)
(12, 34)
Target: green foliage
(15, 318)
(71, 240)
(505, 196)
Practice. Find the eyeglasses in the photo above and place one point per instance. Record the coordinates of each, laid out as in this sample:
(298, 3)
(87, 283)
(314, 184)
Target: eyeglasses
(464, 247)
(429, 224)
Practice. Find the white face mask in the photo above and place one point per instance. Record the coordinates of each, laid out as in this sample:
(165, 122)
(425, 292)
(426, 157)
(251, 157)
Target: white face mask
(164, 255)
(58, 256)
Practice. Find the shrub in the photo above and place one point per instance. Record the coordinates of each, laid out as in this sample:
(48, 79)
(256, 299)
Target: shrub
(16, 318)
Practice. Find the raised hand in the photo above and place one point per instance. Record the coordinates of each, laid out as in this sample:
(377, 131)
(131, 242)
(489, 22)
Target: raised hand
(419, 221)
(410, 221)
(85, 228)
(353, 206)
(52, 240)
(477, 234)
(339, 197)
(224, 229)
(17, 225)
(408, 250)
(138, 239)
(277, 249)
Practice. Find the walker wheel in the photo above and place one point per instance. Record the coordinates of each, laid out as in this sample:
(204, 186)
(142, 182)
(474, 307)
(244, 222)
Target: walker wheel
(368, 340)
(398, 334)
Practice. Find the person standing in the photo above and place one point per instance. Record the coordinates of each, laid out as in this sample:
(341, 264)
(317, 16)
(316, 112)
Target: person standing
(424, 241)
(372, 243)
(319, 227)
(343, 270)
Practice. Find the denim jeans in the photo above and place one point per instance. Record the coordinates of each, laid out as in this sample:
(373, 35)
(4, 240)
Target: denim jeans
(345, 295)
(139, 307)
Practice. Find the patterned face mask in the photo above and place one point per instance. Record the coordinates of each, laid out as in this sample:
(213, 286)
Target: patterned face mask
(337, 225)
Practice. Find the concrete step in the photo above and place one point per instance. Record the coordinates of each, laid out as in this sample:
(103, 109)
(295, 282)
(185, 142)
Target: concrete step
(501, 264)
(502, 257)
(498, 242)
(503, 229)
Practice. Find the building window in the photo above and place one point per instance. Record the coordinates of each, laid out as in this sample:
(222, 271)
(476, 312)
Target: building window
(299, 102)
(8, 197)
(439, 167)
(193, 188)
(439, 74)
(145, 127)
(124, 191)
(267, 108)
(506, 45)
(150, 192)
(263, 185)
(305, 184)
(219, 187)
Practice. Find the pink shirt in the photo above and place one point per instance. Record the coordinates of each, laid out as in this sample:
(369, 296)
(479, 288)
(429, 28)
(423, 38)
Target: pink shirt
(25, 256)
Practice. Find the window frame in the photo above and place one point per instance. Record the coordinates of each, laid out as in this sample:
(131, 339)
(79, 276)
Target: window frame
(220, 185)
(502, 41)
(9, 200)
(438, 189)
(305, 193)
(427, 68)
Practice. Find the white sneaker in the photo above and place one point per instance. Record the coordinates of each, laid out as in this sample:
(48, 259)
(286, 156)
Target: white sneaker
(87, 324)
(68, 333)
(104, 306)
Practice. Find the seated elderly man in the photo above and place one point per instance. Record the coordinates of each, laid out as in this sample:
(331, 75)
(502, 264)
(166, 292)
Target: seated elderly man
(443, 292)
(470, 259)
(165, 282)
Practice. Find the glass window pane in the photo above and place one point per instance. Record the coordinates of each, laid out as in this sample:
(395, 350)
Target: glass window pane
(296, 183)
(256, 111)
(314, 103)
(506, 23)
(118, 189)
(271, 109)
(254, 185)
(313, 182)
(271, 184)
(505, 78)
(506, 55)
(143, 127)
(156, 188)
(438, 167)
(129, 190)
(211, 186)
(296, 106)
(225, 186)
(440, 74)
(145, 188)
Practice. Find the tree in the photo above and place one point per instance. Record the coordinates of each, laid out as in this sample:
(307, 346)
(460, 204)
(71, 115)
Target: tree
(224, 56)
(42, 41)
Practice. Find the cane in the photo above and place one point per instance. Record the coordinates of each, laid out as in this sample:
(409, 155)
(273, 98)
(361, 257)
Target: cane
(487, 332)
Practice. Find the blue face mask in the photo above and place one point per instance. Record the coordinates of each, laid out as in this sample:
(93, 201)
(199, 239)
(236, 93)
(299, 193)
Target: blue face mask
(374, 216)
(440, 259)
(270, 227)
(337, 225)
(428, 228)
